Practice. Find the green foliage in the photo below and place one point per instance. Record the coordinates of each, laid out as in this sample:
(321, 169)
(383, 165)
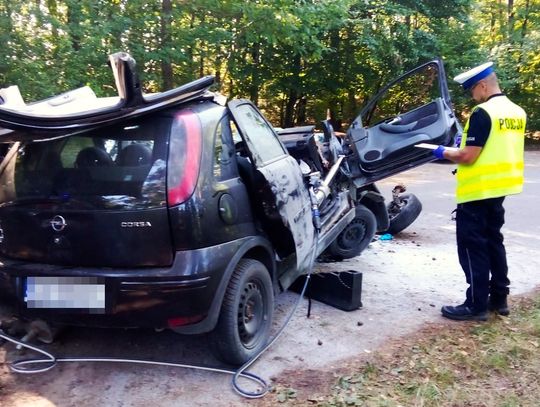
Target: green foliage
(510, 35)
(298, 59)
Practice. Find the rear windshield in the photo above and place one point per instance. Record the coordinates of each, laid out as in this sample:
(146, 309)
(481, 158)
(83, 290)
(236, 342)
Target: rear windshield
(121, 167)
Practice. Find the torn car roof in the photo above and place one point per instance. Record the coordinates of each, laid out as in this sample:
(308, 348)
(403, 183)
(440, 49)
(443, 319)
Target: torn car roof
(81, 109)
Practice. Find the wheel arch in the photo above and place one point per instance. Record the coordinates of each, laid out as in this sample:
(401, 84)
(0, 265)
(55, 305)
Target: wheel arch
(261, 254)
(256, 248)
(374, 201)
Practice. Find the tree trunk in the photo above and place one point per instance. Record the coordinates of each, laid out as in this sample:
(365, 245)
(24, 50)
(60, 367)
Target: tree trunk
(492, 25)
(217, 68)
(502, 20)
(292, 98)
(74, 19)
(349, 112)
(293, 95)
(408, 24)
(511, 19)
(525, 21)
(201, 60)
(190, 48)
(282, 112)
(523, 32)
(202, 50)
(166, 65)
(254, 86)
(301, 111)
(351, 105)
(336, 67)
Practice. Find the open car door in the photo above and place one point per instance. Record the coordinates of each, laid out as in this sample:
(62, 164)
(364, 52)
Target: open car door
(280, 195)
(415, 108)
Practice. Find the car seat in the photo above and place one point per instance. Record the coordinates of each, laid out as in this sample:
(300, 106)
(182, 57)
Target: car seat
(133, 155)
(92, 157)
(51, 162)
(246, 171)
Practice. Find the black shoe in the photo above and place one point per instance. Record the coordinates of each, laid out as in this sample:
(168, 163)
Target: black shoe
(463, 313)
(500, 306)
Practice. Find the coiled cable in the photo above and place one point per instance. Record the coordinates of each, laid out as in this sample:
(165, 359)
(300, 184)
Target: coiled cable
(30, 366)
(24, 366)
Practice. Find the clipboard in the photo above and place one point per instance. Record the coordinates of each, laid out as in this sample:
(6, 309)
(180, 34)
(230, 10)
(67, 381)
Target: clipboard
(434, 146)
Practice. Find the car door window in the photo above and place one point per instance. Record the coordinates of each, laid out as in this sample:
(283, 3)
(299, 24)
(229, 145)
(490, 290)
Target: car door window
(413, 109)
(224, 167)
(264, 144)
(406, 95)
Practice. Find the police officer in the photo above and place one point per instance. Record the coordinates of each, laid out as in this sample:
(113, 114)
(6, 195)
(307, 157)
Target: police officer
(490, 167)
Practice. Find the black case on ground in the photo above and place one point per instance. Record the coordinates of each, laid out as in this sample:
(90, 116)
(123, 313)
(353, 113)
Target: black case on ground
(342, 290)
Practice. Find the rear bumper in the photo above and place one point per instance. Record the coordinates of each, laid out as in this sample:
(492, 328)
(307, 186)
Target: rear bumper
(183, 294)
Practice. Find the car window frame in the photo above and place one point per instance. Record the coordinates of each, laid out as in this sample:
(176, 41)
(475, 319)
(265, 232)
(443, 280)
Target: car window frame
(230, 170)
(253, 148)
(373, 102)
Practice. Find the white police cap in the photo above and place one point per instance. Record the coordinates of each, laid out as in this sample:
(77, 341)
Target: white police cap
(469, 78)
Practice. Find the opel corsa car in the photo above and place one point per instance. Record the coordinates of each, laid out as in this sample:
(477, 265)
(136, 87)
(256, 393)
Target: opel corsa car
(179, 210)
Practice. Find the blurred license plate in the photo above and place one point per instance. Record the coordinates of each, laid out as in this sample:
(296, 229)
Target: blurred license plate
(65, 292)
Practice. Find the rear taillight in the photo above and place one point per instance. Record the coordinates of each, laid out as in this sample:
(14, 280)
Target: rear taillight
(184, 157)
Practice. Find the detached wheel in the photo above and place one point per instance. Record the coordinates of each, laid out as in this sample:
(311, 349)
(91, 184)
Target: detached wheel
(246, 314)
(404, 213)
(355, 237)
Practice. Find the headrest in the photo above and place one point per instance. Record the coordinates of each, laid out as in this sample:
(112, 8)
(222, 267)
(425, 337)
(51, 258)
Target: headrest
(92, 157)
(133, 155)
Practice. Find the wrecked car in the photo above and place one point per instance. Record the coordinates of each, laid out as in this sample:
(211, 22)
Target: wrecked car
(179, 210)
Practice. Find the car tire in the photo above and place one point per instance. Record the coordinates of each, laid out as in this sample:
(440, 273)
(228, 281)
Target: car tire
(246, 314)
(355, 237)
(402, 215)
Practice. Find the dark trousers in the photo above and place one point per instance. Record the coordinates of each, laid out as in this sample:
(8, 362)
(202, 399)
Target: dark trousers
(481, 251)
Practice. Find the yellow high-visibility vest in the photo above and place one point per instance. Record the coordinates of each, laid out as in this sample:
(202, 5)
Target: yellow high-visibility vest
(498, 171)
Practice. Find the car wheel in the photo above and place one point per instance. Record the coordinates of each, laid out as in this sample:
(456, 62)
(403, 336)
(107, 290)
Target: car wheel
(246, 314)
(404, 213)
(355, 237)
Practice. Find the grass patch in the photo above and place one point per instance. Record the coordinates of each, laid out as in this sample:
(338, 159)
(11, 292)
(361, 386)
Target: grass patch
(451, 364)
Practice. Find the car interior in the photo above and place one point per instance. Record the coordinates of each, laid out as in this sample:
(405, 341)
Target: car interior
(383, 143)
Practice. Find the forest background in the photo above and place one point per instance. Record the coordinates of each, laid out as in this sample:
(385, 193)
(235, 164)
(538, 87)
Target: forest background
(297, 59)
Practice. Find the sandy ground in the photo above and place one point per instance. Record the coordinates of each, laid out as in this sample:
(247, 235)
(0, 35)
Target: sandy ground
(405, 282)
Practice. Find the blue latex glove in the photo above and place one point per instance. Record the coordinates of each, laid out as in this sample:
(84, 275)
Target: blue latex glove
(438, 152)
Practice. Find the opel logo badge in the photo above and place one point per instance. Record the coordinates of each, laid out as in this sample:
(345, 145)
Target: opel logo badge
(58, 223)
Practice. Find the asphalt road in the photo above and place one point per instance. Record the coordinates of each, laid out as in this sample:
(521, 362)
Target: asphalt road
(405, 282)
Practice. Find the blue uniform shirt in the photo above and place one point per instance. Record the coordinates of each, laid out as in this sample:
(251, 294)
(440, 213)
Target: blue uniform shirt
(479, 126)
